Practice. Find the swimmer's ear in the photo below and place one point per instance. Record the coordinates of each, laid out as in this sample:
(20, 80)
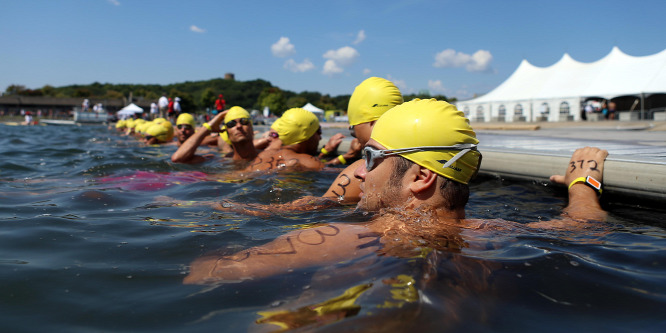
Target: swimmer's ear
(424, 179)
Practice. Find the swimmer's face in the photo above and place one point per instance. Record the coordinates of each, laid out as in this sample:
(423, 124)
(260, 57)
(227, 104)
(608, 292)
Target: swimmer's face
(183, 132)
(240, 130)
(376, 190)
(313, 143)
(362, 131)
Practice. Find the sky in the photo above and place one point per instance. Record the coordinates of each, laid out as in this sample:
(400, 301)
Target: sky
(452, 48)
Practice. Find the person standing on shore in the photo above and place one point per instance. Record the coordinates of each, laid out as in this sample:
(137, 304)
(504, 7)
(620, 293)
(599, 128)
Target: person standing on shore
(219, 104)
(176, 107)
(170, 114)
(154, 110)
(163, 104)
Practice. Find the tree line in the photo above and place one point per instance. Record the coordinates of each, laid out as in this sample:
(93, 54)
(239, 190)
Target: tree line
(200, 96)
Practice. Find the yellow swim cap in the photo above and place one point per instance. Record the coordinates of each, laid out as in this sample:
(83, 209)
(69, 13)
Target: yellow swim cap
(141, 128)
(235, 113)
(225, 136)
(163, 131)
(186, 119)
(371, 99)
(120, 124)
(421, 123)
(129, 123)
(276, 124)
(159, 120)
(296, 125)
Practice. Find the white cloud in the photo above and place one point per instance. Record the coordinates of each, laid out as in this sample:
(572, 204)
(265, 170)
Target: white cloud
(196, 29)
(478, 62)
(283, 48)
(331, 67)
(114, 2)
(436, 87)
(360, 37)
(338, 59)
(367, 71)
(295, 67)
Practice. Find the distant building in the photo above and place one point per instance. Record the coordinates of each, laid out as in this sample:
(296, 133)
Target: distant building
(13, 104)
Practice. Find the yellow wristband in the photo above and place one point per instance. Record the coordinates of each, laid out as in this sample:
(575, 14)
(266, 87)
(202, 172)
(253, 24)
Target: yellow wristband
(324, 151)
(207, 126)
(589, 181)
(342, 159)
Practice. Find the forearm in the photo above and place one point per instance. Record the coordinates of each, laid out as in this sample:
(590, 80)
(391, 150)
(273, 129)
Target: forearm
(187, 150)
(584, 204)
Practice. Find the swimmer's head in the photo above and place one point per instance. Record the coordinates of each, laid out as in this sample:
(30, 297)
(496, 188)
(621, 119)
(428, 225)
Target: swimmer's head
(236, 112)
(296, 125)
(186, 119)
(420, 123)
(159, 120)
(121, 124)
(142, 127)
(162, 132)
(371, 99)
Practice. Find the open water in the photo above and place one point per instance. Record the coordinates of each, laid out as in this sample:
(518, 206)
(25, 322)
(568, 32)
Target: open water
(85, 248)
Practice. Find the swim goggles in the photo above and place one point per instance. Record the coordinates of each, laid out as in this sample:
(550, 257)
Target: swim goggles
(232, 123)
(370, 154)
(181, 126)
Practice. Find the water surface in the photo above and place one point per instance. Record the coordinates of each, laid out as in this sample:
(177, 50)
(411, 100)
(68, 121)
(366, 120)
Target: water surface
(85, 248)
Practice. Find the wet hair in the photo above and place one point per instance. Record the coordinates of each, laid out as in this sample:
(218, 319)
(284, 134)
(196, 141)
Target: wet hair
(454, 193)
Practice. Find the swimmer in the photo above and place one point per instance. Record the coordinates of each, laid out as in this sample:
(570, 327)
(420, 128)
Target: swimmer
(237, 141)
(159, 133)
(414, 177)
(299, 133)
(236, 123)
(185, 126)
(184, 129)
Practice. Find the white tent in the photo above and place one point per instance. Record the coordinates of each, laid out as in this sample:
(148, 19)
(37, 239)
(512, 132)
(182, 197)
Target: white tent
(129, 111)
(314, 109)
(531, 92)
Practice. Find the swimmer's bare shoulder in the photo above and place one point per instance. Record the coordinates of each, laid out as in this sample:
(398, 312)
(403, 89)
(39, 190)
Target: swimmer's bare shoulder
(301, 161)
(319, 246)
(346, 187)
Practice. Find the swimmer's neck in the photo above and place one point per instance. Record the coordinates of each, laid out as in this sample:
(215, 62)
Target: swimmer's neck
(296, 148)
(438, 208)
(244, 151)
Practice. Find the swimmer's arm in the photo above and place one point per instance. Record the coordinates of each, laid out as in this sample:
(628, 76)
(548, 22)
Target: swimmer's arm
(583, 203)
(351, 155)
(346, 188)
(186, 151)
(210, 140)
(583, 200)
(332, 145)
(302, 204)
(318, 246)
